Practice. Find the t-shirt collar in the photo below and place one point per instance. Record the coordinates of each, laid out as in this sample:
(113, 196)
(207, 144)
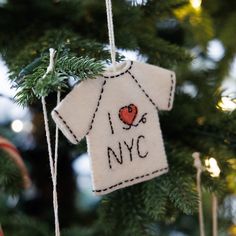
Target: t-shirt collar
(121, 68)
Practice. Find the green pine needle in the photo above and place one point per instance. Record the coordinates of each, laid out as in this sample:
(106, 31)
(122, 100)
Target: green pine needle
(11, 181)
(79, 67)
(32, 85)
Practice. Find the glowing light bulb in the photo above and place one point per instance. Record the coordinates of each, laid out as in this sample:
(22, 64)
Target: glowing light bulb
(17, 126)
(212, 167)
(138, 2)
(196, 4)
(226, 104)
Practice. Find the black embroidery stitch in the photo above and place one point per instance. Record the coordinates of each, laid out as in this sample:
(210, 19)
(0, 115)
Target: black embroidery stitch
(136, 81)
(67, 126)
(98, 103)
(130, 180)
(142, 120)
(114, 76)
(130, 149)
(109, 150)
(128, 71)
(110, 121)
(139, 154)
(171, 90)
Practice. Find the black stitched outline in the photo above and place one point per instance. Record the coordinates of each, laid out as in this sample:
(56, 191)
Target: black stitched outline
(114, 76)
(110, 121)
(136, 81)
(128, 71)
(171, 90)
(143, 120)
(130, 149)
(67, 126)
(130, 180)
(139, 154)
(128, 108)
(109, 158)
(98, 103)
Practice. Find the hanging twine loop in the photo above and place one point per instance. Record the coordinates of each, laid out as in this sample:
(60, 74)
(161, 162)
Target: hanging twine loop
(198, 165)
(110, 27)
(52, 53)
(53, 164)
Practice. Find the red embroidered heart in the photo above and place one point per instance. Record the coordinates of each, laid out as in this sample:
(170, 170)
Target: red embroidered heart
(128, 114)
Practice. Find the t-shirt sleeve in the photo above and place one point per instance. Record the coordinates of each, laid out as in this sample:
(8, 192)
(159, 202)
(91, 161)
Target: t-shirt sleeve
(74, 113)
(158, 84)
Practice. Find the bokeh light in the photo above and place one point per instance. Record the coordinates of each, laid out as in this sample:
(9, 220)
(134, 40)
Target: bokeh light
(196, 4)
(17, 126)
(226, 104)
(212, 167)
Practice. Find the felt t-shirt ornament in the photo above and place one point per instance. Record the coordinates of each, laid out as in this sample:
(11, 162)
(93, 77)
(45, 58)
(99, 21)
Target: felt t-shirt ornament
(118, 114)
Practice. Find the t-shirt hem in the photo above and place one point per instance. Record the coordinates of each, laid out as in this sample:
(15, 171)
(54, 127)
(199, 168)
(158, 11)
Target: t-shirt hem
(132, 181)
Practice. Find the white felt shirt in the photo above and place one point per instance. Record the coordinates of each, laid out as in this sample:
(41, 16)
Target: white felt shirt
(118, 113)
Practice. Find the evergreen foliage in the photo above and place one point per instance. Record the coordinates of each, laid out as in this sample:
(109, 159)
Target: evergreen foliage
(169, 33)
(31, 83)
(11, 181)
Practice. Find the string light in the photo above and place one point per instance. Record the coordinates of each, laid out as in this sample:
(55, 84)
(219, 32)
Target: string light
(226, 104)
(138, 2)
(196, 4)
(212, 167)
(17, 126)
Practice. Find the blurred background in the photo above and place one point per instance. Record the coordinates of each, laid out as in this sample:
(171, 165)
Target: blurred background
(195, 38)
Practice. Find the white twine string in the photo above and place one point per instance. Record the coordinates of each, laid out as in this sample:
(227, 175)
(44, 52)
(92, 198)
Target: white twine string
(53, 166)
(57, 227)
(198, 165)
(214, 214)
(111, 33)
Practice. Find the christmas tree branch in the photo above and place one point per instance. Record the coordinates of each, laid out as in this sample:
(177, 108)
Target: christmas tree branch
(31, 85)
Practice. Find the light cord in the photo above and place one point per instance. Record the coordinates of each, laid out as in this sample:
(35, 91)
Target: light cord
(214, 214)
(198, 166)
